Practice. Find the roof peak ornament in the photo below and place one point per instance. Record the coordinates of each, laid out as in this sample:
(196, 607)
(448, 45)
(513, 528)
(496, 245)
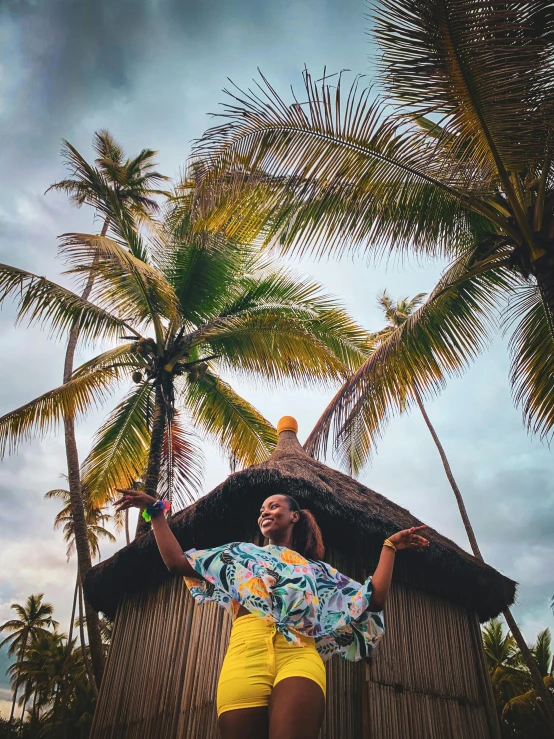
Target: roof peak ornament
(287, 423)
(287, 442)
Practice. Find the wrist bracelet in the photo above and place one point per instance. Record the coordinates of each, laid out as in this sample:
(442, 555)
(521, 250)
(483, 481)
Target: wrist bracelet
(388, 543)
(153, 510)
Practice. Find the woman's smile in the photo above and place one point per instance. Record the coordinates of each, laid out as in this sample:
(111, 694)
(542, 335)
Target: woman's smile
(276, 519)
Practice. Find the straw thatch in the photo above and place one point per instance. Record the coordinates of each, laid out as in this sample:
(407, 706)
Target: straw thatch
(353, 518)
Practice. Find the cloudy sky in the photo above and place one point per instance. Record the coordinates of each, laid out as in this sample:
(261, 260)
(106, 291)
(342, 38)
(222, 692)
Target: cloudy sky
(150, 71)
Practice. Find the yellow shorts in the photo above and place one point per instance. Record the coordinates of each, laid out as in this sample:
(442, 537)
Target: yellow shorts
(258, 658)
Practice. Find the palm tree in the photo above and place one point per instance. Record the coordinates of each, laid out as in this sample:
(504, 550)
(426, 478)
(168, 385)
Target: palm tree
(115, 185)
(516, 700)
(357, 437)
(455, 160)
(51, 670)
(33, 618)
(225, 307)
(505, 665)
(96, 519)
(357, 443)
(96, 530)
(193, 305)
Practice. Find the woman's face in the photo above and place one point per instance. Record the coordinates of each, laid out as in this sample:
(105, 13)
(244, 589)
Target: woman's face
(276, 517)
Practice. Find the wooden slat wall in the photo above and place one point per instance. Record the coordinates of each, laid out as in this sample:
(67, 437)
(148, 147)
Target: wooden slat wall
(427, 680)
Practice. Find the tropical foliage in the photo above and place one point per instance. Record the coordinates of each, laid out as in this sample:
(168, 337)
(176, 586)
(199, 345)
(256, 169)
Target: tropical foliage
(96, 520)
(116, 187)
(115, 182)
(190, 306)
(454, 160)
(521, 714)
(56, 699)
(33, 619)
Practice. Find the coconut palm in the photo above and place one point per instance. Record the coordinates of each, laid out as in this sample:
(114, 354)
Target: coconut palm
(96, 519)
(189, 307)
(357, 437)
(33, 618)
(509, 677)
(454, 161)
(516, 699)
(227, 308)
(51, 670)
(115, 186)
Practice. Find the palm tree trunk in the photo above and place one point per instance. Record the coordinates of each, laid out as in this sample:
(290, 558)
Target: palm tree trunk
(25, 699)
(155, 453)
(83, 643)
(76, 495)
(530, 661)
(126, 520)
(461, 505)
(19, 661)
(63, 720)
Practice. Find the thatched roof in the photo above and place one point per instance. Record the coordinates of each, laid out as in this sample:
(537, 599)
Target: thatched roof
(353, 518)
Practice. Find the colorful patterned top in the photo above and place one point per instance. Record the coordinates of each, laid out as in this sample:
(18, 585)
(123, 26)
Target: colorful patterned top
(298, 594)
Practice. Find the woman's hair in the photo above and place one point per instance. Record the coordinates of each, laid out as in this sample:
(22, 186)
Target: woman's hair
(306, 534)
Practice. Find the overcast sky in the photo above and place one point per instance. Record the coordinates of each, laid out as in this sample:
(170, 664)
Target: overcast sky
(150, 71)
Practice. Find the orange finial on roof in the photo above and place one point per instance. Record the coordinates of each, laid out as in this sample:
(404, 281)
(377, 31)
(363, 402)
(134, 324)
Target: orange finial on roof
(287, 423)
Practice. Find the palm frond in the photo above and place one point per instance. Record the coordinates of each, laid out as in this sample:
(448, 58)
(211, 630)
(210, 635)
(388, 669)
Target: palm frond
(542, 651)
(107, 148)
(230, 420)
(42, 302)
(526, 702)
(333, 172)
(42, 415)
(124, 358)
(203, 268)
(87, 184)
(95, 518)
(272, 347)
(483, 69)
(284, 326)
(532, 367)
(123, 282)
(182, 468)
(120, 448)
(438, 340)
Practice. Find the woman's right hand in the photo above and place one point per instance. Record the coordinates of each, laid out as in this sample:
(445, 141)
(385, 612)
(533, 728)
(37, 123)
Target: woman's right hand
(133, 499)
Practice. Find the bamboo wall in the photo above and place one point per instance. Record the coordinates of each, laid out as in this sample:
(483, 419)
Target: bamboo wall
(427, 680)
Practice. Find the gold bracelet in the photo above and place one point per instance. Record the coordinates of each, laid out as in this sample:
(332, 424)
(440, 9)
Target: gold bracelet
(388, 543)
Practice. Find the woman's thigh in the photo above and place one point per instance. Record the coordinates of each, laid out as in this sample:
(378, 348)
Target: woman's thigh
(296, 709)
(244, 723)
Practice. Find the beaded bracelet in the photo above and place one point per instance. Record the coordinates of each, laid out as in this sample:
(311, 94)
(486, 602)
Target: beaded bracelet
(151, 511)
(388, 543)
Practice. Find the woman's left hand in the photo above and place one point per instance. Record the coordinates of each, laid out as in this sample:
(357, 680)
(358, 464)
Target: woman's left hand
(409, 539)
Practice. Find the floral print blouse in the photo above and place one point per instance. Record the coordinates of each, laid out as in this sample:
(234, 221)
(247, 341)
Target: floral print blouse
(299, 595)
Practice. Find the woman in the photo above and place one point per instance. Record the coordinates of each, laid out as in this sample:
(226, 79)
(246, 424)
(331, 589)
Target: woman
(291, 609)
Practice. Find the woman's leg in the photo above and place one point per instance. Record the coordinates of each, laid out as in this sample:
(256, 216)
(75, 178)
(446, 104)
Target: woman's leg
(244, 723)
(296, 709)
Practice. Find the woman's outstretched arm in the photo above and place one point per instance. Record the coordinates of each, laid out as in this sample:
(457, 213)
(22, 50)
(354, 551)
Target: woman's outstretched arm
(381, 580)
(169, 547)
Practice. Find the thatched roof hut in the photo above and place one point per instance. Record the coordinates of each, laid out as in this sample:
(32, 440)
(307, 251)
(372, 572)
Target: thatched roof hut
(428, 677)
